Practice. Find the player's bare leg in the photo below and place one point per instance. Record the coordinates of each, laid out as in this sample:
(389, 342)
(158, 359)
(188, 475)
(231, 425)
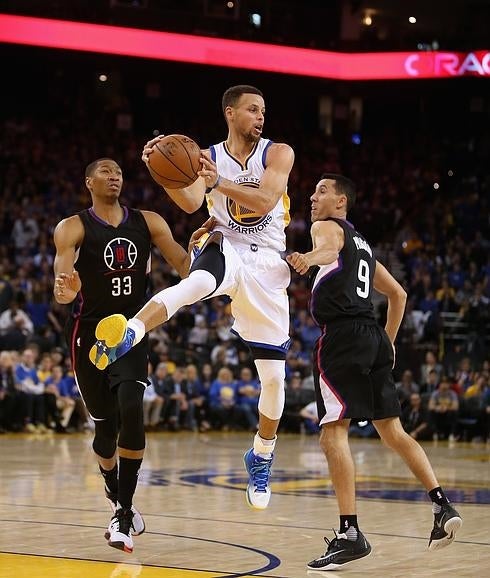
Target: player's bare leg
(334, 441)
(349, 543)
(447, 520)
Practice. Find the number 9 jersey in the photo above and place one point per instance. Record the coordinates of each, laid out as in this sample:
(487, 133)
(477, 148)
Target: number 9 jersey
(114, 265)
(342, 290)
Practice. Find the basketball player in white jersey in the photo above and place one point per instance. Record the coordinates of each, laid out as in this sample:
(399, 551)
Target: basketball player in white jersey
(244, 181)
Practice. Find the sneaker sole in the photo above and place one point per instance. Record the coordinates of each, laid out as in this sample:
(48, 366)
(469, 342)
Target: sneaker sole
(121, 546)
(450, 527)
(109, 332)
(253, 506)
(337, 566)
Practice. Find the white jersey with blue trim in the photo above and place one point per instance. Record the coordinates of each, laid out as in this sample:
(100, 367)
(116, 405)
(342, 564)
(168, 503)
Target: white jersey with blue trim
(240, 224)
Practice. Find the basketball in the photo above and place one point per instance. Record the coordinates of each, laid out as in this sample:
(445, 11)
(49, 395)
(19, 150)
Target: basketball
(174, 161)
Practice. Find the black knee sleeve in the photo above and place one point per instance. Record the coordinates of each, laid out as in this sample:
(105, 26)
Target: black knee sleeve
(132, 434)
(104, 444)
(211, 259)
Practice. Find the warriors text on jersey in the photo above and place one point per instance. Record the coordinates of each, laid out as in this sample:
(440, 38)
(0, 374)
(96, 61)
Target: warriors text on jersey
(113, 264)
(238, 223)
(343, 289)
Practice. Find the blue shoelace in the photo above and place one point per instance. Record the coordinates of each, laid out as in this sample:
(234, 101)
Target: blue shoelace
(260, 474)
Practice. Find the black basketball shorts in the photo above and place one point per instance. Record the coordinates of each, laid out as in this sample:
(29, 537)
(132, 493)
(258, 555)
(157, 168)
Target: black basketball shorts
(352, 369)
(96, 387)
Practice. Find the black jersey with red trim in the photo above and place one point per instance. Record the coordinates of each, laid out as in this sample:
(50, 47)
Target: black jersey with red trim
(114, 266)
(342, 290)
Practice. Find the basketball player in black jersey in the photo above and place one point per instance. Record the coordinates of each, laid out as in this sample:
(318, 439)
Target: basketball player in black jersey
(110, 246)
(353, 361)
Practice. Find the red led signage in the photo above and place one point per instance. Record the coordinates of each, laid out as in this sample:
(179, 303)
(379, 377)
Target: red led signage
(237, 54)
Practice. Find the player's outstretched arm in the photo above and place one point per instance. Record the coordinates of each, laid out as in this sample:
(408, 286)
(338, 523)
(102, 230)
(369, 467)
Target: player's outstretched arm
(188, 198)
(387, 285)
(273, 184)
(328, 240)
(68, 235)
(162, 238)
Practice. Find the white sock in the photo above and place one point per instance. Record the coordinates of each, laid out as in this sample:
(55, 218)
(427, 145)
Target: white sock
(139, 329)
(262, 447)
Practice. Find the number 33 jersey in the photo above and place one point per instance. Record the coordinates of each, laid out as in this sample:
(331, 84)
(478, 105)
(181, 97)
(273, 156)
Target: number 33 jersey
(342, 290)
(114, 265)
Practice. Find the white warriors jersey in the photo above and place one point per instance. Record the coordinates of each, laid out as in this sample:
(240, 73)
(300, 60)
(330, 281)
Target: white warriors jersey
(241, 224)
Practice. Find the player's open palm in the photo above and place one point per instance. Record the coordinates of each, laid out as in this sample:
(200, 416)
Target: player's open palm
(67, 285)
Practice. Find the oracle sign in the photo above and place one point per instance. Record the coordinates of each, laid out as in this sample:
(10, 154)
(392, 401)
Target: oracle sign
(445, 64)
(68, 35)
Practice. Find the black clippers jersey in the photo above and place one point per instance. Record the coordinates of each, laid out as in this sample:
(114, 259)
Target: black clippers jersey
(113, 264)
(343, 289)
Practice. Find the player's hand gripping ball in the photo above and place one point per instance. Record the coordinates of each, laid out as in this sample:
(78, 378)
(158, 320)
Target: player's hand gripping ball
(174, 161)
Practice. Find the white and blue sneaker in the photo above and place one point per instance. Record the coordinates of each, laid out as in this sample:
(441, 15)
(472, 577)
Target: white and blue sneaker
(114, 339)
(259, 471)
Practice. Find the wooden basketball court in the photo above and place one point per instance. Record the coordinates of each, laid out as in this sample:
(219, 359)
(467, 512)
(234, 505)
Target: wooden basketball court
(191, 493)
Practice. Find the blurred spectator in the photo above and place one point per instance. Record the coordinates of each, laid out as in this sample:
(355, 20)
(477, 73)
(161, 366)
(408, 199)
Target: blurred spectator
(464, 375)
(472, 410)
(309, 332)
(297, 359)
(477, 316)
(443, 407)
(25, 231)
(152, 404)
(445, 296)
(198, 335)
(13, 402)
(197, 395)
(6, 291)
(80, 419)
(296, 398)
(413, 325)
(223, 411)
(415, 419)
(26, 377)
(45, 367)
(431, 384)
(59, 403)
(486, 415)
(406, 387)
(430, 363)
(309, 416)
(176, 404)
(248, 390)
(15, 327)
(224, 353)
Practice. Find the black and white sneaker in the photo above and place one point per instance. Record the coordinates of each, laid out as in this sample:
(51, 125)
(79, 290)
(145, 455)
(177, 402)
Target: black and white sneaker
(138, 525)
(446, 523)
(341, 551)
(120, 530)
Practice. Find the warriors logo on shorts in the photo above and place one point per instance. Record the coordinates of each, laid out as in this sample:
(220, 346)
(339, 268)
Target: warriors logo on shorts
(120, 253)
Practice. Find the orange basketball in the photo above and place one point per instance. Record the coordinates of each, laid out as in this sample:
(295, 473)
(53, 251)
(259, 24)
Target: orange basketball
(174, 161)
